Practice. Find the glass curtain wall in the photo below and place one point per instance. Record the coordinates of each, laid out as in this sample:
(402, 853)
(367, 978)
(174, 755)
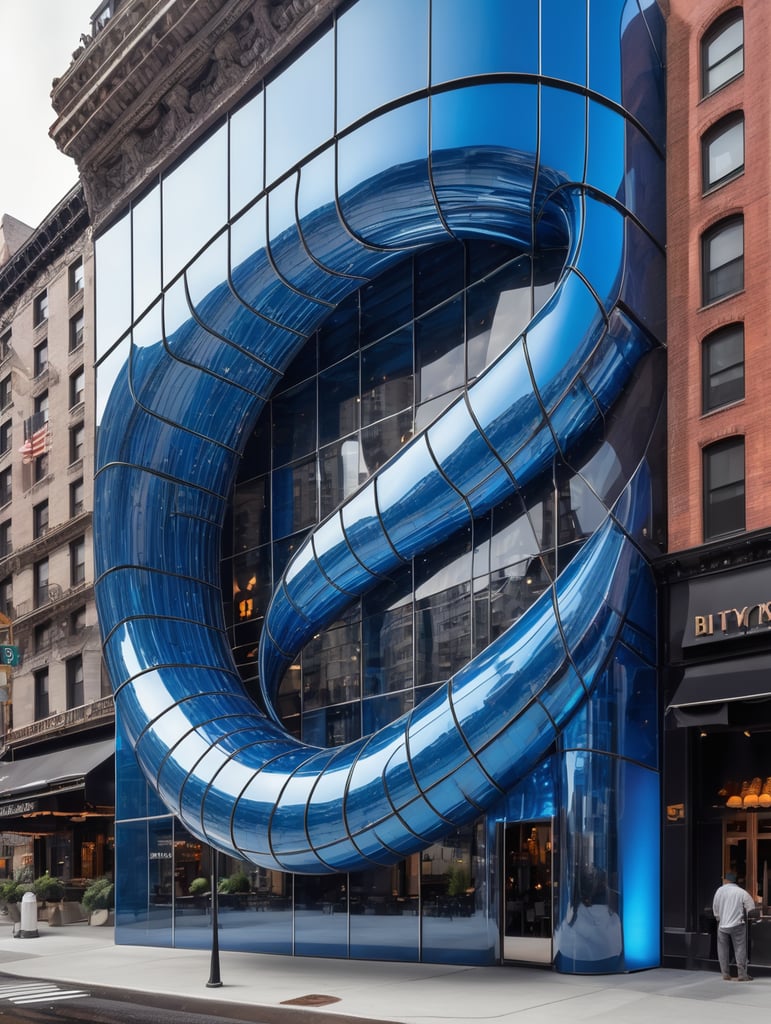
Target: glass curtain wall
(354, 273)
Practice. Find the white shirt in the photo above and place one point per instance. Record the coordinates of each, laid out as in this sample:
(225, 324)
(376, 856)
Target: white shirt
(729, 905)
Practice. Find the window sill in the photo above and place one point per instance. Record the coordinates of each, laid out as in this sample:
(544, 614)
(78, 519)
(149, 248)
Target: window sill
(722, 408)
(723, 298)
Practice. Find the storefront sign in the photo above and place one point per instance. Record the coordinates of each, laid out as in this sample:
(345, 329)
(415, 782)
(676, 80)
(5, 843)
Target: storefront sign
(733, 619)
(15, 809)
(721, 606)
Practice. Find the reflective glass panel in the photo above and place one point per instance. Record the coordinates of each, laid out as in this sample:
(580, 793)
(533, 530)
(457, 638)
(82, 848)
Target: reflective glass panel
(195, 202)
(298, 118)
(497, 36)
(321, 915)
(382, 53)
(246, 153)
(454, 886)
(146, 249)
(439, 349)
(112, 266)
(386, 924)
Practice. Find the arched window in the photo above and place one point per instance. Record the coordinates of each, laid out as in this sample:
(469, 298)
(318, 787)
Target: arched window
(722, 366)
(722, 151)
(722, 51)
(723, 464)
(722, 259)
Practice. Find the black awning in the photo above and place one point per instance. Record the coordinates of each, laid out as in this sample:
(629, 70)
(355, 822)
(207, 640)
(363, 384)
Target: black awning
(48, 774)
(706, 691)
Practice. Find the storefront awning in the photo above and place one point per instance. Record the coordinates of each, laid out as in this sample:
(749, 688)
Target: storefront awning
(706, 691)
(49, 774)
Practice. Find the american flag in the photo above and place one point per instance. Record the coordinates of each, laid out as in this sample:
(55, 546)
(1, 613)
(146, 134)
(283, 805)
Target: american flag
(36, 438)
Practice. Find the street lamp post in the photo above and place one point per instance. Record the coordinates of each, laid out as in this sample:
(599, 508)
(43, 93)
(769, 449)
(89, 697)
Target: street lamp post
(214, 971)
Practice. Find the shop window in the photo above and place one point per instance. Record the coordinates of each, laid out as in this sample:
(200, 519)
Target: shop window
(722, 151)
(76, 276)
(76, 331)
(41, 694)
(722, 52)
(723, 260)
(40, 308)
(75, 695)
(724, 488)
(723, 367)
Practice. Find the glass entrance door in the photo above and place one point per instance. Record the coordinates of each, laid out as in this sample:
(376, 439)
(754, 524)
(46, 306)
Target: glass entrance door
(527, 917)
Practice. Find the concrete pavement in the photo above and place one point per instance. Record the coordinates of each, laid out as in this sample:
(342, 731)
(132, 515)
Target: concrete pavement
(266, 987)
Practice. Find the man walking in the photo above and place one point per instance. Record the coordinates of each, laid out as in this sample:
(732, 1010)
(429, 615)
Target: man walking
(730, 906)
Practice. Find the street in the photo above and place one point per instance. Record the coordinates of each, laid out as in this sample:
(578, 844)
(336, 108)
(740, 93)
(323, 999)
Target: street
(25, 999)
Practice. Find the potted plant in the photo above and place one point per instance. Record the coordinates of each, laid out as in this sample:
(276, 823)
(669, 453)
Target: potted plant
(99, 900)
(11, 892)
(48, 889)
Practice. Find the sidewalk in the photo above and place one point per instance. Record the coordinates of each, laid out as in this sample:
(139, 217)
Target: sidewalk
(395, 992)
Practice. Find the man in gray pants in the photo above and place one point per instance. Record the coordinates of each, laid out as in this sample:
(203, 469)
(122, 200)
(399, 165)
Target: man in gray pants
(730, 906)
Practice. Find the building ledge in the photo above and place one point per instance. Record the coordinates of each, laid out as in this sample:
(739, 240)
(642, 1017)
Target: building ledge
(157, 75)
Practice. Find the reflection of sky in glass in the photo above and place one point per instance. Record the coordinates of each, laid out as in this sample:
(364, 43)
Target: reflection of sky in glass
(198, 184)
(298, 118)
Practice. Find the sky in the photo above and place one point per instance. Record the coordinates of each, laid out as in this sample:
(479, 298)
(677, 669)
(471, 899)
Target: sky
(37, 40)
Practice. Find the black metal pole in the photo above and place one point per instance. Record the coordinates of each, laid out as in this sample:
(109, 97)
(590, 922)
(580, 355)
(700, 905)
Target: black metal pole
(214, 972)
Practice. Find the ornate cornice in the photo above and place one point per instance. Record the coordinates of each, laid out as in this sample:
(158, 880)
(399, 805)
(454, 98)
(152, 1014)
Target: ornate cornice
(158, 75)
(66, 222)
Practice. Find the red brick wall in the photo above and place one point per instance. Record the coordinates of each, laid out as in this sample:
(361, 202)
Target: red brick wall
(689, 213)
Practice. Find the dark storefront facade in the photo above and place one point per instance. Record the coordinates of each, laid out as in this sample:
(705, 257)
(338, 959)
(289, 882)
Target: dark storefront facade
(717, 743)
(57, 813)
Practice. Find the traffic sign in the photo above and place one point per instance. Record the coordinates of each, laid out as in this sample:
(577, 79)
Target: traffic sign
(9, 654)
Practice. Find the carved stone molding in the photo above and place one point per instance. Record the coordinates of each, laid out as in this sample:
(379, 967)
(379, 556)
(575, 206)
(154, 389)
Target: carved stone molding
(157, 75)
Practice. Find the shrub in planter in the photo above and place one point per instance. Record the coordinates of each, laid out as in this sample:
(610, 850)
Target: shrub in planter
(100, 895)
(48, 889)
(238, 882)
(199, 886)
(12, 891)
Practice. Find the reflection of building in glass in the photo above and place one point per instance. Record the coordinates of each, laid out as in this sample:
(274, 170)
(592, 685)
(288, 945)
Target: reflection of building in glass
(381, 386)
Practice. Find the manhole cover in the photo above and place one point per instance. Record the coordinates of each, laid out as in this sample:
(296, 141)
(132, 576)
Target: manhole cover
(312, 1000)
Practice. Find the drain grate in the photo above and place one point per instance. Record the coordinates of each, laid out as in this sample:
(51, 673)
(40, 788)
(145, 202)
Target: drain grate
(314, 999)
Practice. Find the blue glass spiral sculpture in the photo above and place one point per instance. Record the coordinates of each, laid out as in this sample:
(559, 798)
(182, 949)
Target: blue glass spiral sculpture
(192, 387)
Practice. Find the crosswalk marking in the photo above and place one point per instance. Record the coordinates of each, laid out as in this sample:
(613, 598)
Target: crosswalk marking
(49, 997)
(23, 993)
